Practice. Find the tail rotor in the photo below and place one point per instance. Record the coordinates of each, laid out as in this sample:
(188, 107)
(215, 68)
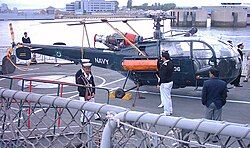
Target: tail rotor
(9, 61)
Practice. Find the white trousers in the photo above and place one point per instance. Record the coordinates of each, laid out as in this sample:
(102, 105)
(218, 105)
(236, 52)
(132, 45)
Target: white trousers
(248, 70)
(165, 91)
(86, 116)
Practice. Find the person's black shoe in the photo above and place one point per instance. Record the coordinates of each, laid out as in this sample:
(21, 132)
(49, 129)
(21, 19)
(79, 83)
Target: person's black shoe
(238, 85)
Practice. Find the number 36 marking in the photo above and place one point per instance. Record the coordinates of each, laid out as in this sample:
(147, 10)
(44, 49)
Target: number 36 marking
(177, 69)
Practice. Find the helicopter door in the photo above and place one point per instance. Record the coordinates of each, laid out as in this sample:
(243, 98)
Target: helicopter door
(183, 64)
(203, 59)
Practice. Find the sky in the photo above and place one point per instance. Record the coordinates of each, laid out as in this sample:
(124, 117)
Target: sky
(32, 4)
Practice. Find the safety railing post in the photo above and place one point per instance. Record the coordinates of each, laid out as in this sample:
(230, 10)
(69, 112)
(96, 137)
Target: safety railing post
(20, 109)
(29, 109)
(11, 81)
(58, 94)
(60, 109)
(89, 136)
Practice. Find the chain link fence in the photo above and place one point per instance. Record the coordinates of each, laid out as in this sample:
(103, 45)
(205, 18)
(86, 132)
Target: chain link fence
(35, 120)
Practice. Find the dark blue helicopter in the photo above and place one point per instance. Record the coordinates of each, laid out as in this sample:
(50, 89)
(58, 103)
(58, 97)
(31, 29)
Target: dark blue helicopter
(136, 58)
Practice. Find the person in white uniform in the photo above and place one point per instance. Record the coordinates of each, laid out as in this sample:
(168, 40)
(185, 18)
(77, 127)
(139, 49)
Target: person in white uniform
(248, 67)
(166, 70)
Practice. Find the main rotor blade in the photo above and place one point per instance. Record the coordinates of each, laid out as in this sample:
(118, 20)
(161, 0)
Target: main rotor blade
(105, 20)
(55, 22)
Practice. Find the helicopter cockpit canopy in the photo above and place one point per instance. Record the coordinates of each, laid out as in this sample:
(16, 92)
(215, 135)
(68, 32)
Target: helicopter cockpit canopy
(200, 48)
(204, 52)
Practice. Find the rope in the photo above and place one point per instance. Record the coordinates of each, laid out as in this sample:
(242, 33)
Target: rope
(158, 135)
(82, 42)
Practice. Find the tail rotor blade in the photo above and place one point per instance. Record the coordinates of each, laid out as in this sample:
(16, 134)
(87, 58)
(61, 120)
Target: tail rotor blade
(12, 33)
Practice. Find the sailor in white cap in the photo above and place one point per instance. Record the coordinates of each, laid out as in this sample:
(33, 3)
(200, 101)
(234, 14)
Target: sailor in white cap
(84, 77)
(85, 61)
(240, 46)
(80, 72)
(236, 82)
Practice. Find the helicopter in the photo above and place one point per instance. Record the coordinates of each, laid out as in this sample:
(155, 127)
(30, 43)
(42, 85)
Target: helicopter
(136, 57)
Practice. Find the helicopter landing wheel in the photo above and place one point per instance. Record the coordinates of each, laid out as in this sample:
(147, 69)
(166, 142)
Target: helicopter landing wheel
(119, 93)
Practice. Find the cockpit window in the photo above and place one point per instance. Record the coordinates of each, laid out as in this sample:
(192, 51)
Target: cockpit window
(176, 48)
(202, 56)
(222, 49)
(201, 50)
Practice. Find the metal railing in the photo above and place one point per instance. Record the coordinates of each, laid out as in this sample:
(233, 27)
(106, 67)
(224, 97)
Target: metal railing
(140, 129)
(60, 85)
(59, 92)
(117, 128)
(45, 132)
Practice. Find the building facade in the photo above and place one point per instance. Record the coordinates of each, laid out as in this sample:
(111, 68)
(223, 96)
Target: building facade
(70, 7)
(92, 6)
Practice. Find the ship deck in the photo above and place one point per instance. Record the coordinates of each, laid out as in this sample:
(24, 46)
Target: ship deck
(186, 101)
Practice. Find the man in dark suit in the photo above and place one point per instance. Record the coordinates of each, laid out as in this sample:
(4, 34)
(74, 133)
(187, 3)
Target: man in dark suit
(214, 94)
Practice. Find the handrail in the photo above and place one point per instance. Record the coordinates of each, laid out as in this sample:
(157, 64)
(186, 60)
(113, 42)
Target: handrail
(59, 92)
(54, 82)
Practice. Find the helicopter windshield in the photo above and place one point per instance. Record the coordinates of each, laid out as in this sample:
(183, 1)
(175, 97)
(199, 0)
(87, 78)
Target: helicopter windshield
(176, 48)
(221, 48)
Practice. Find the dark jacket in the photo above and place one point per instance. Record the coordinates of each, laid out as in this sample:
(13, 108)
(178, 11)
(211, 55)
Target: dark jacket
(82, 80)
(159, 62)
(26, 40)
(214, 90)
(241, 54)
(166, 72)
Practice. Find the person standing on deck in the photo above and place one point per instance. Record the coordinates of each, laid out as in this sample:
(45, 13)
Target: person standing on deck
(84, 77)
(166, 70)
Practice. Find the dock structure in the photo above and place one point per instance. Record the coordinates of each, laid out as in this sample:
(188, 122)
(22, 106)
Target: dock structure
(189, 18)
(228, 18)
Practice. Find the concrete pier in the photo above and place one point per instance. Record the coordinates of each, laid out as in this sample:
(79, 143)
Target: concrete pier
(189, 18)
(229, 18)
